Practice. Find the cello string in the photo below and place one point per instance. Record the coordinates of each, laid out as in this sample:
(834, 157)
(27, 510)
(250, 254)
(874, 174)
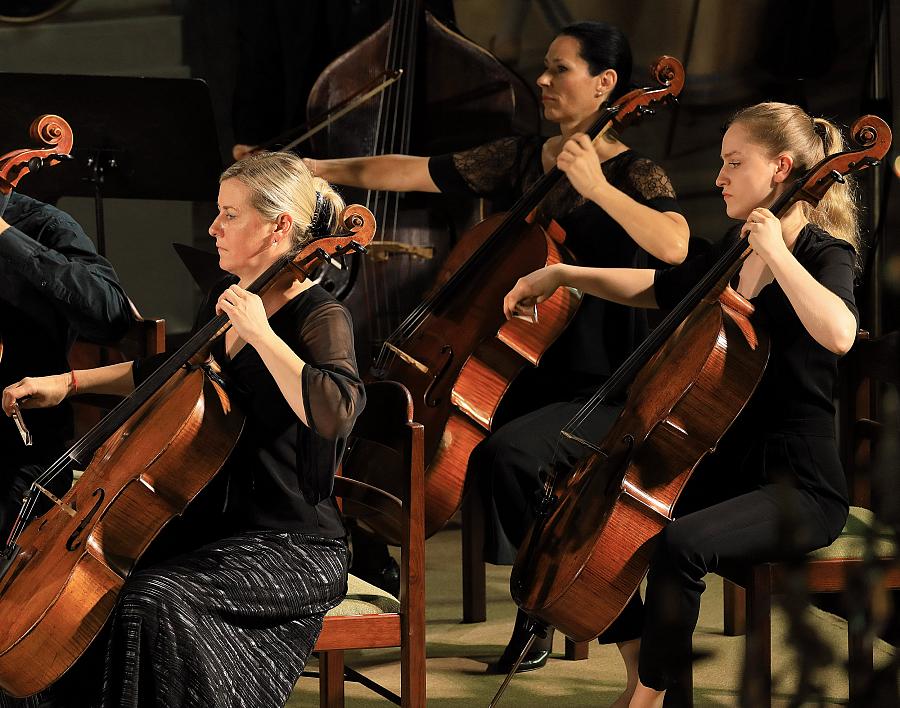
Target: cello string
(517, 213)
(720, 269)
(82, 450)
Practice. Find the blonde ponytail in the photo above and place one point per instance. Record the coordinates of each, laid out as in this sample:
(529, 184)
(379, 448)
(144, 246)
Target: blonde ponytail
(784, 128)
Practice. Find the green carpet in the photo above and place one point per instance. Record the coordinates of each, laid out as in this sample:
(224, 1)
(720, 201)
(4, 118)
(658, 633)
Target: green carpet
(457, 653)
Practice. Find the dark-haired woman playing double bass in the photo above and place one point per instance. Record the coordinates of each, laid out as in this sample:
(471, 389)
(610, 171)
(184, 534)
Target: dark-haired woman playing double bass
(774, 489)
(621, 212)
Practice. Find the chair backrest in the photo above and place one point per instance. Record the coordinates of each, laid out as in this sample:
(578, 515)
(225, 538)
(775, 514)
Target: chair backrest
(145, 337)
(386, 425)
(867, 369)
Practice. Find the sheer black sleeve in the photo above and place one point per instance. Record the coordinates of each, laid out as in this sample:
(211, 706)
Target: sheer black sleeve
(333, 393)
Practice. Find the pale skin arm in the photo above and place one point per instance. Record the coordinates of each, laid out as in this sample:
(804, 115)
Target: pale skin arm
(392, 173)
(47, 391)
(824, 315)
(248, 317)
(626, 286)
(661, 234)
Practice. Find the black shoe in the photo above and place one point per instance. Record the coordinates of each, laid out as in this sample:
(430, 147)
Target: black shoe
(386, 578)
(536, 657)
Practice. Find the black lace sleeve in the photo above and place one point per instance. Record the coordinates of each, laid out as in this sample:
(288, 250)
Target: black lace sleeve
(650, 184)
(499, 170)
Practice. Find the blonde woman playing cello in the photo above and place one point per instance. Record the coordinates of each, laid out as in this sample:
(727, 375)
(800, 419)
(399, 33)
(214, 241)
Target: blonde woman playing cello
(779, 460)
(229, 609)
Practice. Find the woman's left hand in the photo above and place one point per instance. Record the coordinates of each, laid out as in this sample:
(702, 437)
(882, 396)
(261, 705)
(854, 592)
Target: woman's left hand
(764, 234)
(246, 312)
(579, 160)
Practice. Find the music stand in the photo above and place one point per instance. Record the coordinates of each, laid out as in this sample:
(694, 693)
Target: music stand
(135, 138)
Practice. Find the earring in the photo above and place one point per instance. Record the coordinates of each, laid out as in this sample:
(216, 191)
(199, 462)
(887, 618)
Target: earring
(274, 241)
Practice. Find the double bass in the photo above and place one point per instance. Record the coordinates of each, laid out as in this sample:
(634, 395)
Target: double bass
(451, 94)
(590, 546)
(60, 573)
(455, 352)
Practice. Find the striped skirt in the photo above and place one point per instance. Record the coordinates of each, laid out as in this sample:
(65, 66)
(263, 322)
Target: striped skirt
(229, 625)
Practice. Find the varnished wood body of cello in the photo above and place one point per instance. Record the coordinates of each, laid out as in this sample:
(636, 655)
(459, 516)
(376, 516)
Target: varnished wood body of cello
(54, 604)
(472, 355)
(610, 508)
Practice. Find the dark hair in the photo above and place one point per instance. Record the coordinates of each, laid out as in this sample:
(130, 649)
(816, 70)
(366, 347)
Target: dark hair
(603, 46)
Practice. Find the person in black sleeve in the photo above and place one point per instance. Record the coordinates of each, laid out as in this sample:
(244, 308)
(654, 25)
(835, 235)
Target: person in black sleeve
(778, 464)
(53, 288)
(623, 214)
(230, 606)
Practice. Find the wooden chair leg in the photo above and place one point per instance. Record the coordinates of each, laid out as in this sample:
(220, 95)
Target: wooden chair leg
(734, 608)
(758, 656)
(577, 651)
(331, 679)
(474, 598)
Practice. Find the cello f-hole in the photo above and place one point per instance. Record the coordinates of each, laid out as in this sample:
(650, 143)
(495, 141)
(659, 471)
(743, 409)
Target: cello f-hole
(73, 541)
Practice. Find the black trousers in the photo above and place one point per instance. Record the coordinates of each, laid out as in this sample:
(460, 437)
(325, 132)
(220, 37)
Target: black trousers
(510, 466)
(742, 505)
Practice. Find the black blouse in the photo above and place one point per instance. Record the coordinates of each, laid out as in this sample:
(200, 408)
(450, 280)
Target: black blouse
(795, 398)
(602, 334)
(280, 474)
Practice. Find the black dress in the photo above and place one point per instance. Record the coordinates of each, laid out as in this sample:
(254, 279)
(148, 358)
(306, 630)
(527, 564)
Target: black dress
(53, 288)
(602, 335)
(774, 489)
(231, 598)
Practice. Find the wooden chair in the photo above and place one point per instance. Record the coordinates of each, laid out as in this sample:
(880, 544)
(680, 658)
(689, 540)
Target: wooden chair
(871, 363)
(145, 337)
(368, 617)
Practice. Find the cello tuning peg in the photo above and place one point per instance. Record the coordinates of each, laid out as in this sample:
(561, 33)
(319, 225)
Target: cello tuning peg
(60, 156)
(837, 177)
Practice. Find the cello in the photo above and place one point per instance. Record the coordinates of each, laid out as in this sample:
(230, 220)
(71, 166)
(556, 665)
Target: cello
(54, 131)
(144, 463)
(590, 546)
(456, 353)
(451, 94)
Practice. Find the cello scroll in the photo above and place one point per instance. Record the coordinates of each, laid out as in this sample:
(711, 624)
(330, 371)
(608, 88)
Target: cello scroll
(873, 137)
(666, 71)
(49, 129)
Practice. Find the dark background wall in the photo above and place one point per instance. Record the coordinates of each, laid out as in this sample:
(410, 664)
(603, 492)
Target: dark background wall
(830, 57)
